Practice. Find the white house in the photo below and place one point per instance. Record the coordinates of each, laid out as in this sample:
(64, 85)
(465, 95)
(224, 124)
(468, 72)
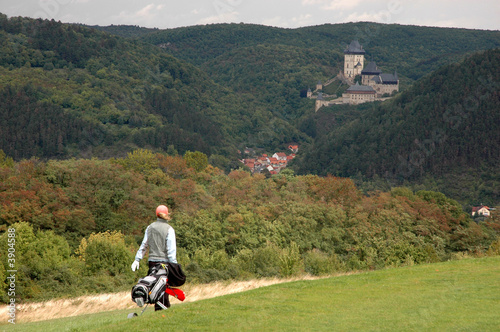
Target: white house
(482, 210)
(279, 156)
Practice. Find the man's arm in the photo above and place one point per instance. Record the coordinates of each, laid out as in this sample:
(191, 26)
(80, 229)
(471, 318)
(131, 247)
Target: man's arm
(171, 246)
(143, 247)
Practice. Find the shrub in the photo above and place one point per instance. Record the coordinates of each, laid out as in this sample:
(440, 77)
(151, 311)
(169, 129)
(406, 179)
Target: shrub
(403, 254)
(42, 260)
(290, 261)
(245, 262)
(207, 266)
(105, 253)
(494, 249)
(319, 263)
(267, 261)
(207, 259)
(3, 288)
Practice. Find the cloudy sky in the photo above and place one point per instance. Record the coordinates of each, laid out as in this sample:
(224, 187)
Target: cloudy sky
(475, 14)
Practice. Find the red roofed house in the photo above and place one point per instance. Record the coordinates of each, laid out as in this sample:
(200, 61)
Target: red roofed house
(293, 147)
(482, 210)
(279, 156)
(264, 160)
(274, 162)
(250, 163)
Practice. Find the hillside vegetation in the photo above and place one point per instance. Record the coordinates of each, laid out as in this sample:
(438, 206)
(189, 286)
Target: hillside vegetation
(68, 90)
(242, 89)
(414, 51)
(79, 222)
(72, 91)
(231, 53)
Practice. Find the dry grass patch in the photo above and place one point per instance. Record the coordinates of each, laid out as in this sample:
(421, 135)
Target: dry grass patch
(90, 304)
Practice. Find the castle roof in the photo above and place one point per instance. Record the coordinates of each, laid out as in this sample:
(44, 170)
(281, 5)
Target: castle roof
(386, 78)
(354, 48)
(371, 69)
(360, 89)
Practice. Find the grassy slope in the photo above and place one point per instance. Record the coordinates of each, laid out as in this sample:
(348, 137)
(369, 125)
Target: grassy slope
(458, 295)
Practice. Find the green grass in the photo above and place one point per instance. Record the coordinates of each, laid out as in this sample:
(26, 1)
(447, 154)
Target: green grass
(452, 296)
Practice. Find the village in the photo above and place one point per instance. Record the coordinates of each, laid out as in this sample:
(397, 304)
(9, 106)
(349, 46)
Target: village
(274, 164)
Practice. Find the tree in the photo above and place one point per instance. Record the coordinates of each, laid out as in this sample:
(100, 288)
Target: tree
(196, 160)
(141, 161)
(5, 161)
(105, 253)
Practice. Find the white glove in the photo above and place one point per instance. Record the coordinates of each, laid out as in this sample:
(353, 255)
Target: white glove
(135, 265)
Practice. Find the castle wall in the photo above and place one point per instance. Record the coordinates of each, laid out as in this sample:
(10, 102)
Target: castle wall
(367, 80)
(380, 88)
(350, 64)
(357, 98)
(385, 88)
(320, 103)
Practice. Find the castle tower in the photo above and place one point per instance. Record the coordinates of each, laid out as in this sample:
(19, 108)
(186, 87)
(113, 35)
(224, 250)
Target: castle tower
(319, 86)
(309, 93)
(319, 102)
(354, 60)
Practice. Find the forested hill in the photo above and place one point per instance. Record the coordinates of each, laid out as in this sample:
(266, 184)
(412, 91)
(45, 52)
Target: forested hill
(414, 51)
(273, 64)
(128, 31)
(68, 90)
(444, 127)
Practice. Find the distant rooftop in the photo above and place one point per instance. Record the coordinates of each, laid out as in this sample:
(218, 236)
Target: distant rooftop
(371, 69)
(360, 88)
(386, 78)
(354, 48)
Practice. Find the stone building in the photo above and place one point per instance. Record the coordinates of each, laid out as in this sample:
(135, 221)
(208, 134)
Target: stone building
(382, 83)
(357, 94)
(354, 60)
(369, 72)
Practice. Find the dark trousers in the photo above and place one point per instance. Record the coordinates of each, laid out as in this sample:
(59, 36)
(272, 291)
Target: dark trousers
(164, 299)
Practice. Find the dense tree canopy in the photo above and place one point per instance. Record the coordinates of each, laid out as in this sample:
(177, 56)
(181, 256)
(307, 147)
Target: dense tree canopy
(115, 95)
(80, 221)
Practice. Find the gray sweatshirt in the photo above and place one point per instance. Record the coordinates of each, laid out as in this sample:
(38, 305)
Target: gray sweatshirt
(160, 238)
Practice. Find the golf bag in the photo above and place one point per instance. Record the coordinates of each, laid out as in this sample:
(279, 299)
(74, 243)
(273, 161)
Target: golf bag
(152, 287)
(176, 276)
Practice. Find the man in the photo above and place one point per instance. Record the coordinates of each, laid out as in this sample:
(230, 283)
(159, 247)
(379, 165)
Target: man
(160, 238)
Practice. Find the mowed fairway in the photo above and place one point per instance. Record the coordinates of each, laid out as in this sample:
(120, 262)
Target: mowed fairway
(452, 296)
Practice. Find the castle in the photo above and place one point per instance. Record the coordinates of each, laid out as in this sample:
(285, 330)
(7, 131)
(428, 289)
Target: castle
(374, 84)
